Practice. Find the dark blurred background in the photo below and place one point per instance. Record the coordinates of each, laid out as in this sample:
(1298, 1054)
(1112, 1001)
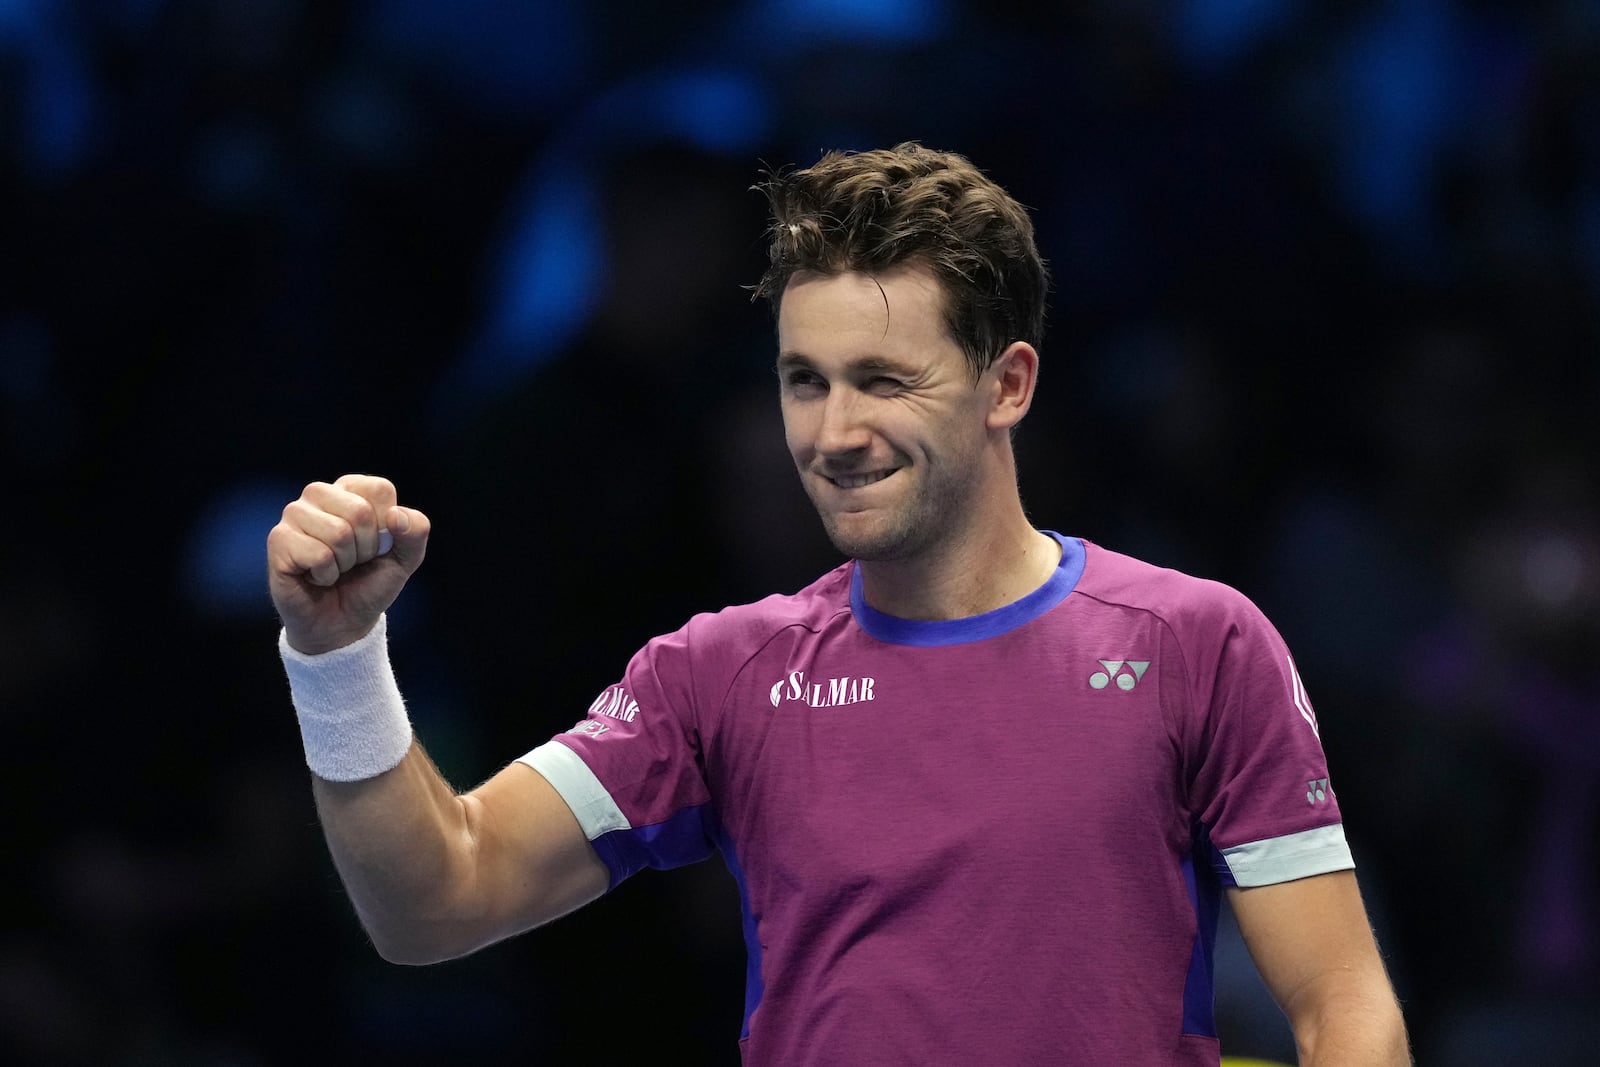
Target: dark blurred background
(1324, 328)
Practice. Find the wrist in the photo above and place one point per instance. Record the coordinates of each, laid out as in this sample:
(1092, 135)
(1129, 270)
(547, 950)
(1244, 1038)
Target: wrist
(352, 719)
(313, 643)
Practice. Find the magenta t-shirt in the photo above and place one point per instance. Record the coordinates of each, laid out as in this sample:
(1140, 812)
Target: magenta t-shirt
(999, 839)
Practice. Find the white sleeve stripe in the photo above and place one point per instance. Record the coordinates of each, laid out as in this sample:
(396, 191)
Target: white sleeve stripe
(564, 769)
(1283, 859)
(1302, 700)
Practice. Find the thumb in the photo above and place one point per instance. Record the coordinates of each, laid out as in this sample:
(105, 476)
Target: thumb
(408, 528)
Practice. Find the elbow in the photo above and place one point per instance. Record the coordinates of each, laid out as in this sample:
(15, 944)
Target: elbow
(407, 954)
(1372, 1032)
(419, 944)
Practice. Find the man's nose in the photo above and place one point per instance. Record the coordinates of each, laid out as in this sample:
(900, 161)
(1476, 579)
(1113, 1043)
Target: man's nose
(843, 428)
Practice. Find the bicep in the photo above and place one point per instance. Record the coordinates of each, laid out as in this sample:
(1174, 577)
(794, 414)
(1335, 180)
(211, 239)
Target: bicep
(1311, 941)
(534, 862)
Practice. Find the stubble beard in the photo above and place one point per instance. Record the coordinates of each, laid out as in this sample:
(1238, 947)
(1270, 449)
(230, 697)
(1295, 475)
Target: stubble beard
(927, 518)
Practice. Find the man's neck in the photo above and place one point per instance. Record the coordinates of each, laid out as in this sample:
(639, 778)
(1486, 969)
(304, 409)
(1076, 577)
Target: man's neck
(993, 566)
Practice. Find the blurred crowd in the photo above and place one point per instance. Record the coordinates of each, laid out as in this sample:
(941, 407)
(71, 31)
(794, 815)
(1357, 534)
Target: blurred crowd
(1325, 328)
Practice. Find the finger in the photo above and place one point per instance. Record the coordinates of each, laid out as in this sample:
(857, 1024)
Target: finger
(380, 494)
(292, 553)
(359, 499)
(313, 515)
(340, 533)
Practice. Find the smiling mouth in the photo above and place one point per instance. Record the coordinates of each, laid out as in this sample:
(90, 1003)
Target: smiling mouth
(857, 481)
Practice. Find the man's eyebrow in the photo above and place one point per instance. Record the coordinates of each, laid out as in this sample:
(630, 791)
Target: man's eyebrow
(874, 364)
(860, 366)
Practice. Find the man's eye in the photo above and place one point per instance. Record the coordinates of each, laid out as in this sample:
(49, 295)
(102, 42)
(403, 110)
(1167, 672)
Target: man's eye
(802, 380)
(882, 384)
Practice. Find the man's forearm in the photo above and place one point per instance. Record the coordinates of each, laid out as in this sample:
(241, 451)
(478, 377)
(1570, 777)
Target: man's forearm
(401, 841)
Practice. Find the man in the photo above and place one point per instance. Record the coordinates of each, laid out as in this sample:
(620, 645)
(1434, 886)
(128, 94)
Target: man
(982, 788)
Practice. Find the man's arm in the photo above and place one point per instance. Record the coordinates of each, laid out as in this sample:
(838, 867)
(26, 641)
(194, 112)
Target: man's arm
(1311, 941)
(432, 875)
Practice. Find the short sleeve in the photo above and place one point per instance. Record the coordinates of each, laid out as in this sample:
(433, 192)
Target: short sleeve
(1260, 783)
(632, 771)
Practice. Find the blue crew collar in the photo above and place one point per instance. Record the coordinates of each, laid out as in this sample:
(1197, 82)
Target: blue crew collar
(932, 633)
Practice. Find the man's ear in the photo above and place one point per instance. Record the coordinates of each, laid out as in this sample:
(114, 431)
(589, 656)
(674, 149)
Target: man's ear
(1011, 379)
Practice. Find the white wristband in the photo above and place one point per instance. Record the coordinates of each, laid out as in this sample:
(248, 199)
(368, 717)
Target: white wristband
(352, 719)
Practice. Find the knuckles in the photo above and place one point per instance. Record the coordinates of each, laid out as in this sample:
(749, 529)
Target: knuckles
(317, 532)
(369, 486)
(320, 503)
(361, 514)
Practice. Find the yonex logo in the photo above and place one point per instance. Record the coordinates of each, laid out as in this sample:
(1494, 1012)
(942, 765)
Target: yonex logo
(1317, 791)
(1119, 669)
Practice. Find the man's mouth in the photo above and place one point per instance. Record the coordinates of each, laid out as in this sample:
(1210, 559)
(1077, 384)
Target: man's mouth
(856, 481)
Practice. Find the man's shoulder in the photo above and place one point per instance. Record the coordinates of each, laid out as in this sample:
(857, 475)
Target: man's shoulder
(746, 625)
(1120, 580)
(714, 647)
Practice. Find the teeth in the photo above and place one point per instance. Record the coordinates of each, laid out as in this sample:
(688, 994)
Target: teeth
(856, 481)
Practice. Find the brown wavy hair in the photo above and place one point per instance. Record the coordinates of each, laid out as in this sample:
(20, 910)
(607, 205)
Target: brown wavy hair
(873, 211)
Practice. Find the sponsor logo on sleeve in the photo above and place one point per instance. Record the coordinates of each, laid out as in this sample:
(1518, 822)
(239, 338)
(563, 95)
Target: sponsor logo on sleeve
(614, 703)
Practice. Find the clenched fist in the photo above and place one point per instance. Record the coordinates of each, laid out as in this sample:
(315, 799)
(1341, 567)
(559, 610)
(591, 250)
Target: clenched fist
(328, 579)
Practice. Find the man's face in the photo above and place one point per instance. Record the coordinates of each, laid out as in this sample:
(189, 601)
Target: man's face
(880, 411)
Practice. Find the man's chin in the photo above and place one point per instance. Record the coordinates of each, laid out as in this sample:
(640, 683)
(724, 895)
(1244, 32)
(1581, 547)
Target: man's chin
(870, 545)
